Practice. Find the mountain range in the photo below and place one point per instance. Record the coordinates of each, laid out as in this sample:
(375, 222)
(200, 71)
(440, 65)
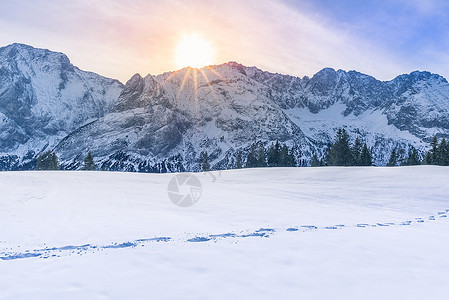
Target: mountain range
(164, 122)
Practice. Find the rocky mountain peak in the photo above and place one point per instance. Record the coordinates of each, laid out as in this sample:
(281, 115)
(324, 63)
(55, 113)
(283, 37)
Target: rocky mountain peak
(43, 97)
(168, 120)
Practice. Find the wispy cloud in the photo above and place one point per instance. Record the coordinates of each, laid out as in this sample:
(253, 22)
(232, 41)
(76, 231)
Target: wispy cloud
(118, 38)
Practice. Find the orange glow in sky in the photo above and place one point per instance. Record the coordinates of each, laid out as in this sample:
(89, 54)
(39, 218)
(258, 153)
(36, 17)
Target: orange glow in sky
(118, 38)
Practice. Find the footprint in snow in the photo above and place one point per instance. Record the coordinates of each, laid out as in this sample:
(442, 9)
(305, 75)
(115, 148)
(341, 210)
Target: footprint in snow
(198, 239)
(292, 229)
(121, 245)
(309, 227)
(224, 235)
(261, 234)
(156, 239)
(20, 255)
(362, 225)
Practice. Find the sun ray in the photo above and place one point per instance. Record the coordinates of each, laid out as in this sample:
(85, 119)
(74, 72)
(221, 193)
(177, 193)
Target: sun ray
(169, 77)
(184, 80)
(212, 90)
(218, 74)
(160, 85)
(195, 82)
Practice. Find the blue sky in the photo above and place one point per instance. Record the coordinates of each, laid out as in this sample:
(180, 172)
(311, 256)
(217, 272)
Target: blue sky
(405, 26)
(118, 38)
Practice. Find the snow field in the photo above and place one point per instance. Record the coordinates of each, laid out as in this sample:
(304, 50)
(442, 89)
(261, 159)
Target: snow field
(287, 233)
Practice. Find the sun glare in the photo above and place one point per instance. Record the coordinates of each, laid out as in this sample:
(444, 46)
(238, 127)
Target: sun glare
(193, 51)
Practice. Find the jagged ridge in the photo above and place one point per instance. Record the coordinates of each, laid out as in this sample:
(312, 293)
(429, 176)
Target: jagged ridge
(221, 109)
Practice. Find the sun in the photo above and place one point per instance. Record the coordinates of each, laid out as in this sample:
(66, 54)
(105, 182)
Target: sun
(193, 51)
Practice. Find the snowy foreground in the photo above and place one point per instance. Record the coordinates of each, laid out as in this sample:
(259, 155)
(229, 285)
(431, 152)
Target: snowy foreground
(296, 233)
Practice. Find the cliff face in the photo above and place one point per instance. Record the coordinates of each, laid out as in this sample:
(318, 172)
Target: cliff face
(166, 121)
(43, 98)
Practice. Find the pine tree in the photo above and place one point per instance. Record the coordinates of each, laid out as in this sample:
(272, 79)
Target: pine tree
(441, 155)
(54, 165)
(273, 156)
(89, 163)
(393, 161)
(447, 154)
(39, 164)
(315, 161)
(256, 157)
(284, 159)
(412, 158)
(47, 161)
(251, 159)
(261, 156)
(341, 152)
(291, 161)
(356, 151)
(205, 166)
(365, 157)
(238, 161)
(431, 156)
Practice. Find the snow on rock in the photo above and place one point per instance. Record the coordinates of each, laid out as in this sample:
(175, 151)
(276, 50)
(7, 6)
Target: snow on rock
(223, 109)
(43, 98)
(164, 122)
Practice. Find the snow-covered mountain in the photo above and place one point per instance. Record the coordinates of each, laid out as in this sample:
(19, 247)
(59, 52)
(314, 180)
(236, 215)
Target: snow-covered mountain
(43, 98)
(179, 115)
(163, 122)
(407, 110)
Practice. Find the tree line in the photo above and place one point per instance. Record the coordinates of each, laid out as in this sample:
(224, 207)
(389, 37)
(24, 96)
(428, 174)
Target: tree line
(275, 155)
(49, 161)
(437, 155)
(397, 158)
(344, 153)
